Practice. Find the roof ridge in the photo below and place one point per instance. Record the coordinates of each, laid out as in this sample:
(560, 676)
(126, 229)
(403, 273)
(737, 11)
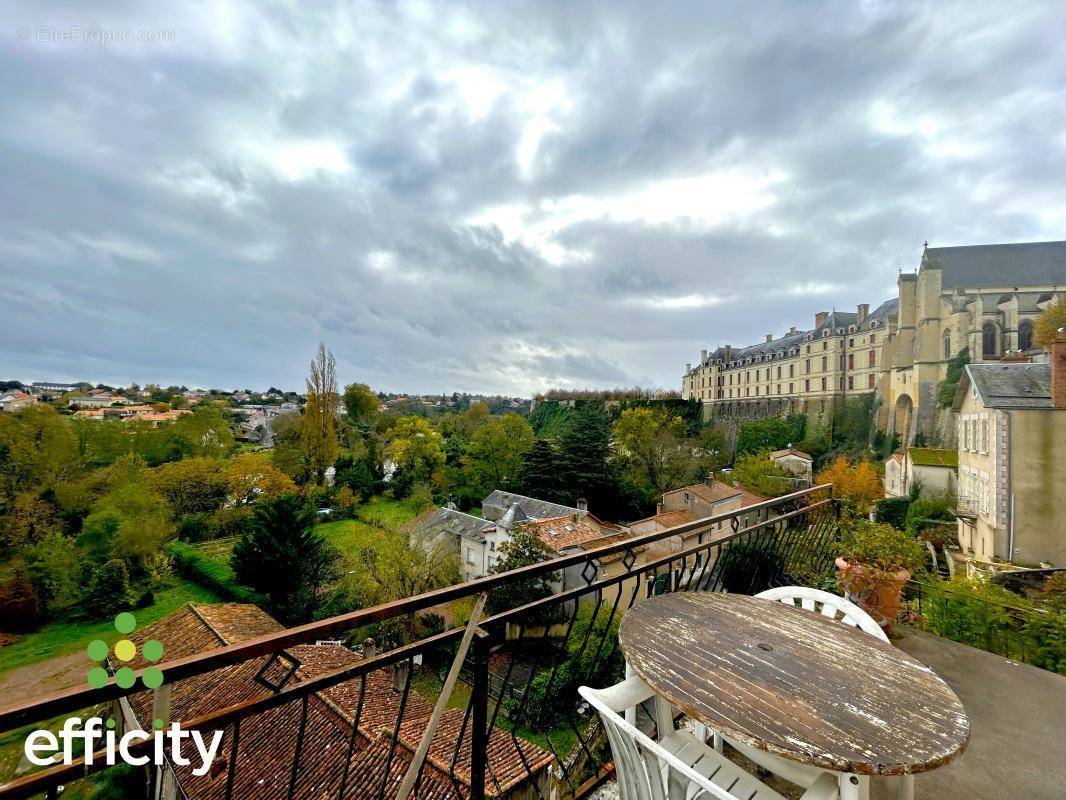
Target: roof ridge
(210, 627)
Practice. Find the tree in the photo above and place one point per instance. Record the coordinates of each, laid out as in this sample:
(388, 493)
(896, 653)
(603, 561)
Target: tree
(204, 432)
(585, 470)
(53, 566)
(37, 449)
(360, 402)
(523, 549)
(318, 432)
(109, 591)
(287, 453)
(1048, 324)
(283, 557)
(757, 473)
(539, 475)
(771, 433)
(191, 486)
(251, 477)
(494, 459)
(857, 485)
(415, 448)
(20, 609)
(393, 569)
(652, 449)
(357, 475)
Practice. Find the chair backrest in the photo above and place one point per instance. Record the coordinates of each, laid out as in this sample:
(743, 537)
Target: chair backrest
(828, 605)
(644, 769)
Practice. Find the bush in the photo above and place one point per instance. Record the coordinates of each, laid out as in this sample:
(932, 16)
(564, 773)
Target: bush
(218, 578)
(881, 548)
(892, 511)
(927, 512)
(970, 611)
(109, 591)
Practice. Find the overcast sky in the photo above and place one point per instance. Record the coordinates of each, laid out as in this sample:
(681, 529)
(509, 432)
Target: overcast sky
(498, 197)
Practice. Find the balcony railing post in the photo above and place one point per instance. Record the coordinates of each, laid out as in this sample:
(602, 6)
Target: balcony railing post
(479, 699)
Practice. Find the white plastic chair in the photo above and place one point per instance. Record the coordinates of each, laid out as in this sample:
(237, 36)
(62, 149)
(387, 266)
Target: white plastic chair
(678, 766)
(826, 604)
(836, 608)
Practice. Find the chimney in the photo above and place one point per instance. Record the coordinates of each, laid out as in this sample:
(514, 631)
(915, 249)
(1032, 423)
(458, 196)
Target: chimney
(451, 505)
(792, 331)
(369, 648)
(506, 500)
(688, 368)
(709, 480)
(1058, 370)
(703, 356)
(660, 507)
(820, 317)
(582, 504)
(864, 312)
(769, 337)
(728, 352)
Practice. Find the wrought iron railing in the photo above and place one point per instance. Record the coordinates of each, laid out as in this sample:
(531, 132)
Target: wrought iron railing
(517, 729)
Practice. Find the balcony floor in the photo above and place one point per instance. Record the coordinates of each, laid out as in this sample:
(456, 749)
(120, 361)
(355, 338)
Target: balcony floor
(1016, 714)
(1015, 711)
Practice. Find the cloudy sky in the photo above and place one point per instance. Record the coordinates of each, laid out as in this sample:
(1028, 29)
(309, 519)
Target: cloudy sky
(496, 196)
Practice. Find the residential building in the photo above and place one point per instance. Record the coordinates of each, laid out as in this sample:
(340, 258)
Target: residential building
(15, 399)
(933, 470)
(269, 738)
(95, 400)
(681, 506)
(984, 298)
(795, 461)
(1012, 434)
(479, 540)
(56, 388)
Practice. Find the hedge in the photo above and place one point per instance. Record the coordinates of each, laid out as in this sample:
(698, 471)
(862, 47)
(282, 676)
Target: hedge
(191, 563)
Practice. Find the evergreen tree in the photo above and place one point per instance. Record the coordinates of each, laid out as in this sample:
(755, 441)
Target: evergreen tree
(585, 469)
(284, 558)
(539, 476)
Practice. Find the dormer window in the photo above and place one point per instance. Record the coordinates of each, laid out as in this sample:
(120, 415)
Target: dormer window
(825, 333)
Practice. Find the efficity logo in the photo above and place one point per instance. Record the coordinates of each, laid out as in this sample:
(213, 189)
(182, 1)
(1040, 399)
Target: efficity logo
(46, 747)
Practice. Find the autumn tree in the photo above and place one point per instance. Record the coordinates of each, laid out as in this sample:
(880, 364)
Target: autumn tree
(318, 431)
(251, 477)
(191, 486)
(1048, 324)
(856, 485)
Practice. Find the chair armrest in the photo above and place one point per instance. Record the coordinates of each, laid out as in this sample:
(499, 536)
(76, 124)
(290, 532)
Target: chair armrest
(824, 788)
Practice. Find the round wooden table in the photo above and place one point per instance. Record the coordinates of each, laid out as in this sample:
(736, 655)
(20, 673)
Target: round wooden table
(794, 683)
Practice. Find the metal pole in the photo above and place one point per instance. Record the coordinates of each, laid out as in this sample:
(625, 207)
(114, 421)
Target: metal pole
(479, 698)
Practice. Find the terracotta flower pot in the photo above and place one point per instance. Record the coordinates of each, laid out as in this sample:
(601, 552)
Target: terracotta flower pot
(880, 598)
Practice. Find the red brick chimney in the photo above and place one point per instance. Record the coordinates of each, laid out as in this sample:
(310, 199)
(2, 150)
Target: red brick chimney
(1058, 370)
(820, 317)
(864, 312)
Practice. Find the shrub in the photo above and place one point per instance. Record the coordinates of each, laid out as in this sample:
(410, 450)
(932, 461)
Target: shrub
(881, 548)
(218, 578)
(892, 511)
(971, 611)
(109, 591)
(858, 486)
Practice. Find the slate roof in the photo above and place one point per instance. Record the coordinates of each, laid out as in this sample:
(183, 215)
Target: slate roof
(446, 520)
(1020, 264)
(1016, 385)
(836, 319)
(531, 507)
(933, 457)
(268, 739)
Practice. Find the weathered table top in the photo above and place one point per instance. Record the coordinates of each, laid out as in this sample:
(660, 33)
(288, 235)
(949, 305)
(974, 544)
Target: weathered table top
(794, 683)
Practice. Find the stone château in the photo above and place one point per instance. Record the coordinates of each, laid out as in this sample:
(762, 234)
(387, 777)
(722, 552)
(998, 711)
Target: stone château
(984, 298)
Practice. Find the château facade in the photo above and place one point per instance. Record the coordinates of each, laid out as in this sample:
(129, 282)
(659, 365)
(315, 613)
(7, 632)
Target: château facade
(985, 298)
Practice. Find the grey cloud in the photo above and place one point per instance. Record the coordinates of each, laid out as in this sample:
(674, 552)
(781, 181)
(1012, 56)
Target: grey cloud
(205, 211)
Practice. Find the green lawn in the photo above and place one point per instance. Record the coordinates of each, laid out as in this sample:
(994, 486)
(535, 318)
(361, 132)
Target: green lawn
(386, 512)
(61, 637)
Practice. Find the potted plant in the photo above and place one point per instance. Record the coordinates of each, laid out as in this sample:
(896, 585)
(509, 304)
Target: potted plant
(875, 562)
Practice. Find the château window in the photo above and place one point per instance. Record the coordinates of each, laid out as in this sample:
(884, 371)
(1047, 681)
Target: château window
(947, 344)
(1025, 335)
(870, 379)
(873, 358)
(988, 339)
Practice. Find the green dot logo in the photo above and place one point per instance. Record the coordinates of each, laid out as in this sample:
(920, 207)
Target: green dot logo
(125, 651)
